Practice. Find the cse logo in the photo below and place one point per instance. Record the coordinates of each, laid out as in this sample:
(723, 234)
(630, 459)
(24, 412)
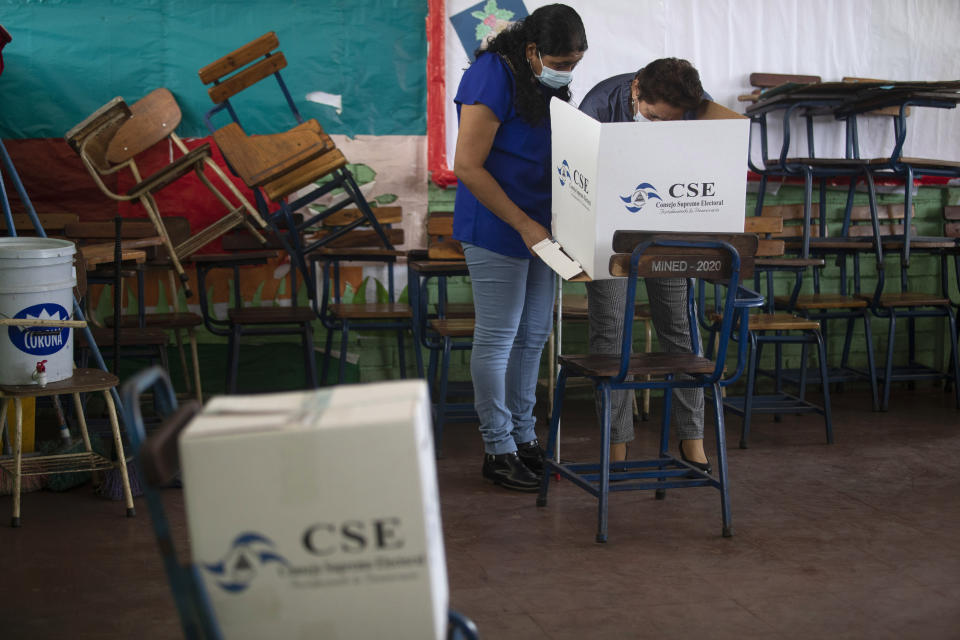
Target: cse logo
(353, 536)
(575, 177)
(692, 189)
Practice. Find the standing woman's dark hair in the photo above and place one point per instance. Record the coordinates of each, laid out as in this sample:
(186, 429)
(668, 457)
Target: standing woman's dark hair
(557, 30)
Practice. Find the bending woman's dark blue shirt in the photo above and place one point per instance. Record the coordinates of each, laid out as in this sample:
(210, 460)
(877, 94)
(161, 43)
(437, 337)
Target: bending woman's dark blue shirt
(519, 160)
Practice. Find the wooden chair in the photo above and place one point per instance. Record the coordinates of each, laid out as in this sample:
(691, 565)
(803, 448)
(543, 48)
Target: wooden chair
(111, 138)
(710, 256)
(825, 304)
(779, 328)
(243, 319)
(280, 166)
(337, 315)
(178, 229)
(891, 232)
(82, 381)
(109, 263)
(440, 242)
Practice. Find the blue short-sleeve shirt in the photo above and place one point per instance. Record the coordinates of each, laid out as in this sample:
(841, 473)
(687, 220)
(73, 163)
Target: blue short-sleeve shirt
(610, 100)
(519, 160)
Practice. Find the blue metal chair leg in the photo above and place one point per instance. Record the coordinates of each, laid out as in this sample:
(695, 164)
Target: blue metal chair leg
(661, 494)
(748, 394)
(888, 370)
(326, 357)
(309, 357)
(402, 355)
(604, 496)
(722, 461)
(827, 413)
(952, 321)
(344, 341)
(233, 359)
(871, 361)
(442, 393)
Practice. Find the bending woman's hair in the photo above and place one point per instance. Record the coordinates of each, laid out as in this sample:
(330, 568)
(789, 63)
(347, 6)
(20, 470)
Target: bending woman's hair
(557, 30)
(670, 80)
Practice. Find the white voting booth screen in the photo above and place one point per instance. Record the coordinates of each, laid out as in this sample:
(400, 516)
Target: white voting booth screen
(684, 175)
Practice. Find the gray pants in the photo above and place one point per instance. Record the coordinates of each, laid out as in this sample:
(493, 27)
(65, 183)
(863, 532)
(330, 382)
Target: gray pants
(606, 300)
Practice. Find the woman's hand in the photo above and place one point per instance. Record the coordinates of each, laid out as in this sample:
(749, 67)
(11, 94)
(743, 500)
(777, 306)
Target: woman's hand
(533, 232)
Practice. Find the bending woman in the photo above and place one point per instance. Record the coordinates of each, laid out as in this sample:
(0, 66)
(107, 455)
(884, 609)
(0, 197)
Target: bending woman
(502, 209)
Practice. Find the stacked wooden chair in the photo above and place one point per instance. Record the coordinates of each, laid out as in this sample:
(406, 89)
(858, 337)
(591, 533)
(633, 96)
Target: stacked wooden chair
(111, 138)
(287, 170)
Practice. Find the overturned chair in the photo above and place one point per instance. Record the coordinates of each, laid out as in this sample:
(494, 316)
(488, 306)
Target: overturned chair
(288, 170)
(111, 138)
(721, 258)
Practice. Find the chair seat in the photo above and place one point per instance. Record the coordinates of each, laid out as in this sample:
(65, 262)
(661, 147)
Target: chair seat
(128, 337)
(822, 301)
(371, 311)
(82, 381)
(453, 327)
(180, 320)
(654, 364)
(307, 174)
(781, 322)
(260, 159)
(270, 315)
(929, 163)
(909, 299)
(459, 310)
(788, 262)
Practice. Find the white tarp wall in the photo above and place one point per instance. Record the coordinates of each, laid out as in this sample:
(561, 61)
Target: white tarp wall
(727, 40)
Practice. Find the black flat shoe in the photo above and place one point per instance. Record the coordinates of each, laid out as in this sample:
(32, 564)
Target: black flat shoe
(531, 455)
(702, 466)
(508, 471)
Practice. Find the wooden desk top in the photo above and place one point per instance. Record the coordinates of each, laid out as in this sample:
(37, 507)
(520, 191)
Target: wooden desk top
(95, 255)
(439, 267)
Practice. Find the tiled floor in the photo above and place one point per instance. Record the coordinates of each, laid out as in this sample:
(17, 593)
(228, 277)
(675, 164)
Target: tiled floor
(854, 540)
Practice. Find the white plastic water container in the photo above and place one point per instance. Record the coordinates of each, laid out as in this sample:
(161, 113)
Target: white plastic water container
(36, 281)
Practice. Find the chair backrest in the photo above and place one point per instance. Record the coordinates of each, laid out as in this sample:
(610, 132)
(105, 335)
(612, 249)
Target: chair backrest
(791, 216)
(152, 119)
(673, 260)
(889, 216)
(91, 138)
(951, 221)
(724, 258)
(243, 68)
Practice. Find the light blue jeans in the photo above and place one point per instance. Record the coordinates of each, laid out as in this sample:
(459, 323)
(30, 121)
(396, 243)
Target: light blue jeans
(513, 300)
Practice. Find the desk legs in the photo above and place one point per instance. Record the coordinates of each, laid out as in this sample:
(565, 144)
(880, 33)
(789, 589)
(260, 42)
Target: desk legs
(17, 452)
(121, 457)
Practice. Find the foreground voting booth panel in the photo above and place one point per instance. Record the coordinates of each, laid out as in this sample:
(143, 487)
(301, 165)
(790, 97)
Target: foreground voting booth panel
(683, 175)
(316, 514)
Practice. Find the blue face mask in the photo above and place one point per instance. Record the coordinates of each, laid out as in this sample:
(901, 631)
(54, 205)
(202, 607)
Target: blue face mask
(553, 78)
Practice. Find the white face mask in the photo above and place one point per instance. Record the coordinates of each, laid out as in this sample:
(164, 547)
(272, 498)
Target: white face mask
(553, 78)
(637, 116)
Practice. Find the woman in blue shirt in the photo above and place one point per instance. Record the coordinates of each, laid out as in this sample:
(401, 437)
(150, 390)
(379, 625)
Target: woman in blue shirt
(502, 209)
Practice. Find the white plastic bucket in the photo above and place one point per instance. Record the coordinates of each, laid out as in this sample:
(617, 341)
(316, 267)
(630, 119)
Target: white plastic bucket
(36, 281)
